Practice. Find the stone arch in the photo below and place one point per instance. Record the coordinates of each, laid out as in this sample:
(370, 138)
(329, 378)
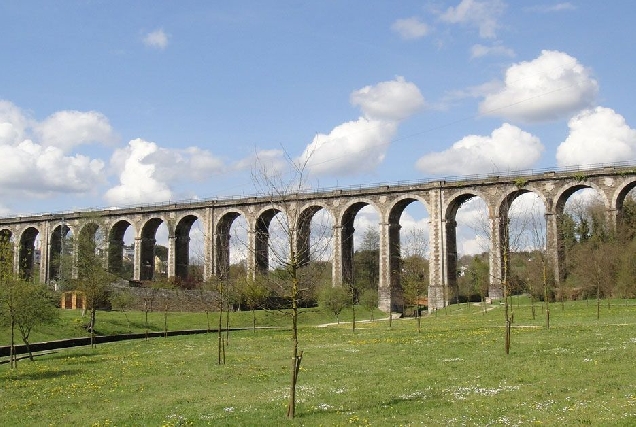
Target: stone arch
(182, 245)
(303, 230)
(347, 219)
(261, 238)
(88, 245)
(395, 212)
(58, 247)
(503, 231)
(27, 252)
(148, 233)
(222, 242)
(618, 198)
(560, 199)
(115, 237)
(506, 204)
(568, 190)
(449, 239)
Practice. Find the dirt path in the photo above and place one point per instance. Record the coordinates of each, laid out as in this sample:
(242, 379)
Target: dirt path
(393, 316)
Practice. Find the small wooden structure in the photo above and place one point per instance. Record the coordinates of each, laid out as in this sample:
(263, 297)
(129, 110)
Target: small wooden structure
(73, 300)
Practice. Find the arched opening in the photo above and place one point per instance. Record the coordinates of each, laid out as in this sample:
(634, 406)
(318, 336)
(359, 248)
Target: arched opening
(29, 257)
(589, 251)
(360, 242)
(188, 247)
(314, 248)
(121, 250)
(153, 256)
(408, 251)
(231, 245)
(467, 242)
(524, 245)
(91, 249)
(263, 241)
(61, 248)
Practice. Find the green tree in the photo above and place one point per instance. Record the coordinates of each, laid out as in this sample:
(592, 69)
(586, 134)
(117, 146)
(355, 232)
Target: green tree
(335, 299)
(369, 300)
(93, 280)
(366, 261)
(9, 297)
(122, 300)
(415, 283)
(254, 293)
(33, 307)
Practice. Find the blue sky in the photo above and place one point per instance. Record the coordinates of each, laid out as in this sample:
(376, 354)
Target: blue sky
(108, 103)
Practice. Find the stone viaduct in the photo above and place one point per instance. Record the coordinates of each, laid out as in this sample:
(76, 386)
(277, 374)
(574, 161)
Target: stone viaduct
(442, 200)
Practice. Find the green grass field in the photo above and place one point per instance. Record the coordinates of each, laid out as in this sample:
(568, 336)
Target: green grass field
(455, 372)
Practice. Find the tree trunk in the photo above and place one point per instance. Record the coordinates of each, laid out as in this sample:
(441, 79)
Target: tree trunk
(146, 311)
(220, 333)
(92, 326)
(28, 347)
(353, 311)
(227, 329)
(507, 344)
(12, 356)
(598, 303)
(165, 321)
(296, 358)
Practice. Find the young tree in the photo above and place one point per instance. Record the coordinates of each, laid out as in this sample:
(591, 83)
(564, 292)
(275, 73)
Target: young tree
(335, 299)
(414, 271)
(93, 280)
(9, 296)
(33, 307)
(122, 300)
(369, 300)
(254, 293)
(367, 261)
(220, 287)
(282, 192)
(415, 283)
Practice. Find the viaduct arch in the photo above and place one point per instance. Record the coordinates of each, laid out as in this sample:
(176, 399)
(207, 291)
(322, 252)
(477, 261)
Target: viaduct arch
(442, 199)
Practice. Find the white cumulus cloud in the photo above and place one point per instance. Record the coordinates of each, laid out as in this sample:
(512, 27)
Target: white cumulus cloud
(350, 148)
(40, 170)
(360, 145)
(410, 28)
(156, 39)
(13, 123)
(66, 129)
(598, 135)
(138, 183)
(481, 14)
(550, 87)
(147, 171)
(37, 168)
(507, 148)
(394, 100)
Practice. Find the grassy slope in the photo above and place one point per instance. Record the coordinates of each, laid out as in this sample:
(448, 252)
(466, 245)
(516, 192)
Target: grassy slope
(455, 372)
(70, 323)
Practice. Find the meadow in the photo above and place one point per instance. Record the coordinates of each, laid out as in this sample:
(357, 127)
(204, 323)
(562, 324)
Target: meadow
(581, 371)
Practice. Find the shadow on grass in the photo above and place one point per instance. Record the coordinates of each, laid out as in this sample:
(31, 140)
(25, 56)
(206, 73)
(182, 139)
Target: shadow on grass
(66, 356)
(43, 375)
